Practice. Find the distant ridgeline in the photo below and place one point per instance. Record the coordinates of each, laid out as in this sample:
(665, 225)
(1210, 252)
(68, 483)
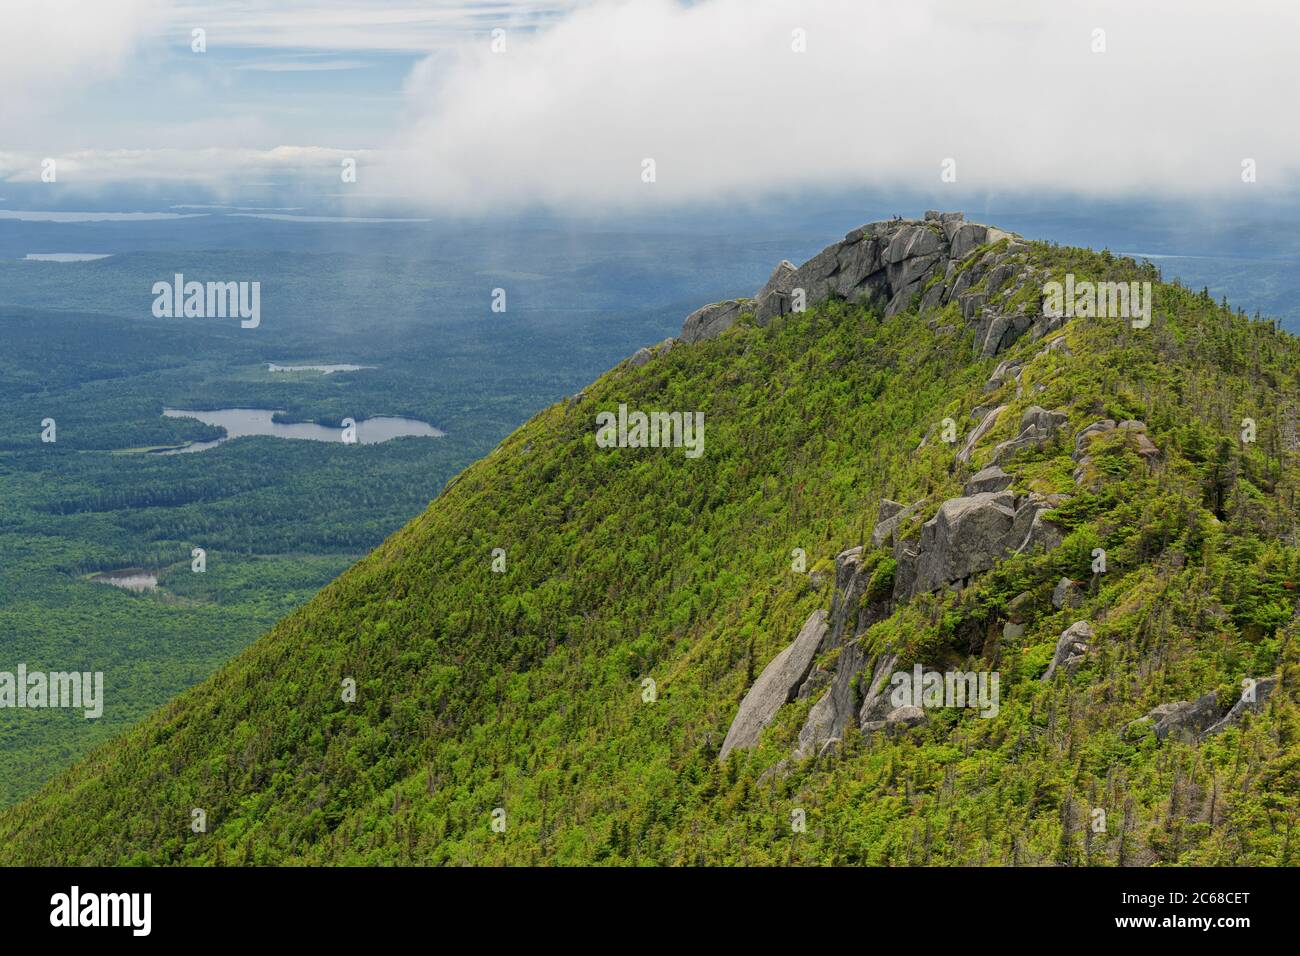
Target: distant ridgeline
(988, 556)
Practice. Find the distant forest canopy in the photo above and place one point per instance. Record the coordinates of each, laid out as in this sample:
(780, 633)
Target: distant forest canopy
(474, 691)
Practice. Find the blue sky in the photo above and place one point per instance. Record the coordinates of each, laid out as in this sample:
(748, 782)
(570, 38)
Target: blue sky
(301, 72)
(722, 101)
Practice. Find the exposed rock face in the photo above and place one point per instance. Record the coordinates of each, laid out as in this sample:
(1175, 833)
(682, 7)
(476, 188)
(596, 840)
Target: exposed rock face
(773, 298)
(1259, 695)
(875, 702)
(966, 536)
(1071, 649)
(815, 682)
(850, 583)
(1184, 719)
(712, 320)
(1066, 594)
(642, 356)
(775, 686)
(990, 419)
(1031, 531)
(1143, 445)
(838, 707)
(1020, 607)
(898, 719)
(1037, 426)
(832, 714)
(990, 479)
(909, 716)
(1195, 720)
(888, 508)
(891, 515)
(971, 533)
(893, 262)
(1153, 717)
(1085, 435)
(1007, 371)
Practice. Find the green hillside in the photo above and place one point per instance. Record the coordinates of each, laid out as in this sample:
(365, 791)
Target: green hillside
(524, 691)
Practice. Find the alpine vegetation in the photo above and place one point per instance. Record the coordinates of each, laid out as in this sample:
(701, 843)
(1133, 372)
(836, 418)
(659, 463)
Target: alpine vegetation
(654, 430)
(1078, 596)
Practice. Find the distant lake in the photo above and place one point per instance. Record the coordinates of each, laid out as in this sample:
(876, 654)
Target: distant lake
(44, 215)
(239, 422)
(131, 579)
(327, 369)
(288, 218)
(66, 256)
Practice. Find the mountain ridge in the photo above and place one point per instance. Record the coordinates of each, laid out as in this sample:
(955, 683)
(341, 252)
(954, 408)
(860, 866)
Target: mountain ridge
(906, 377)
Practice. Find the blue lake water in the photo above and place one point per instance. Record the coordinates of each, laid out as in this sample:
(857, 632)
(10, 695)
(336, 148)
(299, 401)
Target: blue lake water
(239, 422)
(327, 369)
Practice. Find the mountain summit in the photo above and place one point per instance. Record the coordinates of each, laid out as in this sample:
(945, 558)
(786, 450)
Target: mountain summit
(980, 562)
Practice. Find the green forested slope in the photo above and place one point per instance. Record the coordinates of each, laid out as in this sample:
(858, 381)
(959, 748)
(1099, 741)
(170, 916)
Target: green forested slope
(523, 690)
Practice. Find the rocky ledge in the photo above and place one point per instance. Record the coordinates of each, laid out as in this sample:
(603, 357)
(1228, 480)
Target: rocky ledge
(940, 259)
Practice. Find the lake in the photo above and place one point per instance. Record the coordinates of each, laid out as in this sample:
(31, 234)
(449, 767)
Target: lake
(239, 422)
(327, 369)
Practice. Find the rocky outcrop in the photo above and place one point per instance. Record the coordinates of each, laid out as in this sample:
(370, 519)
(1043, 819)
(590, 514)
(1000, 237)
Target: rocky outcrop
(1141, 444)
(1184, 720)
(836, 710)
(1066, 594)
(889, 518)
(1085, 435)
(1037, 426)
(908, 716)
(875, 701)
(1031, 531)
(971, 533)
(851, 580)
(1252, 701)
(1057, 345)
(894, 263)
(965, 537)
(991, 479)
(898, 719)
(642, 356)
(1071, 649)
(774, 298)
(1007, 371)
(776, 686)
(1195, 720)
(979, 431)
(712, 320)
(838, 707)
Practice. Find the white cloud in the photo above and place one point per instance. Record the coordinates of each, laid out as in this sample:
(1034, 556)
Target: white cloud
(52, 49)
(713, 92)
(356, 25)
(220, 168)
